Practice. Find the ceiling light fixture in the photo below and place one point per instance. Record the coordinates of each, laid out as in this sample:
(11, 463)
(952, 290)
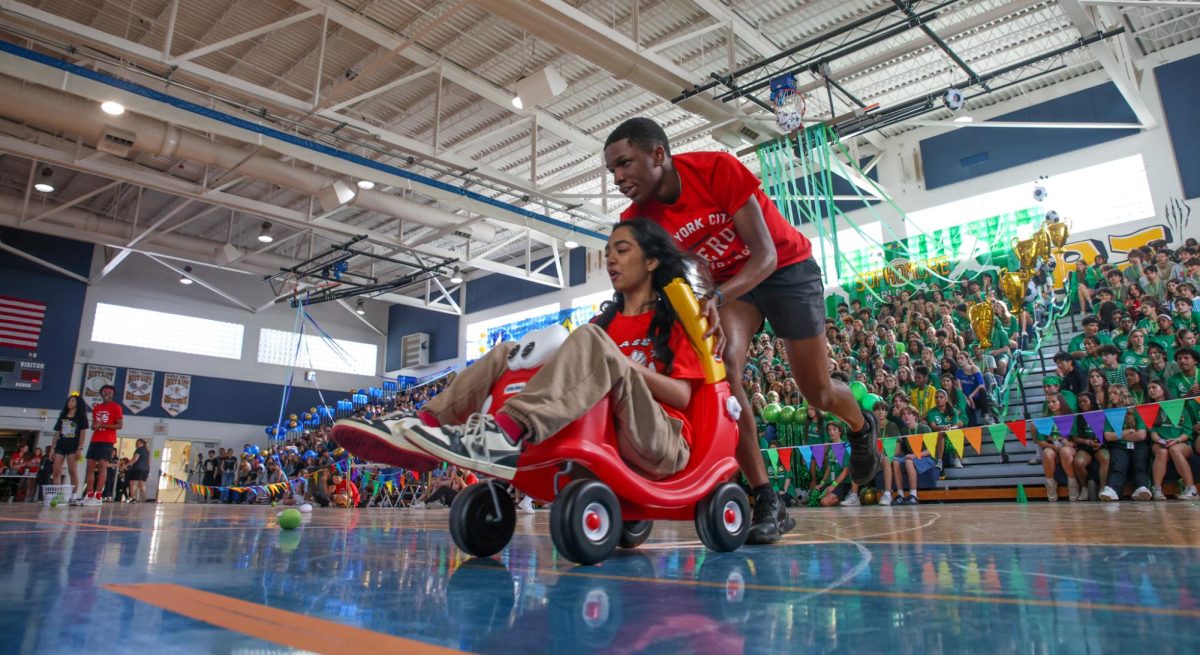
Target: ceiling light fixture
(964, 119)
(112, 108)
(358, 307)
(516, 102)
(45, 185)
(366, 184)
(184, 279)
(456, 277)
(264, 234)
(571, 244)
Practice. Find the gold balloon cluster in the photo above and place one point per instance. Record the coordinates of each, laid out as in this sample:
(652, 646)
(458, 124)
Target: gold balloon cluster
(1051, 237)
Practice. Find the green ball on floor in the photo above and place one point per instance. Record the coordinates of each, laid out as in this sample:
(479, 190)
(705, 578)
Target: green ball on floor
(289, 519)
(273, 503)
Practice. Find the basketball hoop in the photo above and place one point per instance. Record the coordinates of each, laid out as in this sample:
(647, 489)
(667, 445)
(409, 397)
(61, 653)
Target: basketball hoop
(788, 103)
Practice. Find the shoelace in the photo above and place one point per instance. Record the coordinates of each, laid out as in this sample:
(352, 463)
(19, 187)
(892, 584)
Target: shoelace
(474, 436)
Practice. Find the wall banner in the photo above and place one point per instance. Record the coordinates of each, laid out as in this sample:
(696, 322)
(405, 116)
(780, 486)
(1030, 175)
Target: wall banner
(177, 390)
(139, 389)
(94, 377)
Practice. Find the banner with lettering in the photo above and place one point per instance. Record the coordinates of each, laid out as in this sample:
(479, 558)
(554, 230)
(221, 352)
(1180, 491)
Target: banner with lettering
(177, 389)
(139, 390)
(94, 377)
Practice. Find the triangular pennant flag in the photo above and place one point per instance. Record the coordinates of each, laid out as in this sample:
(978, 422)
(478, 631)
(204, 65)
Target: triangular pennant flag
(1116, 418)
(914, 443)
(955, 437)
(839, 451)
(1065, 424)
(889, 446)
(930, 440)
(975, 438)
(1044, 426)
(999, 434)
(1018, 428)
(1147, 413)
(806, 453)
(1095, 421)
(773, 455)
(1174, 410)
(819, 454)
(785, 458)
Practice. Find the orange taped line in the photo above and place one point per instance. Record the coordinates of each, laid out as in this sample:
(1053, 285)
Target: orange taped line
(271, 624)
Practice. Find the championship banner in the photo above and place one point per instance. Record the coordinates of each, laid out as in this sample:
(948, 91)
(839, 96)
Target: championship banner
(94, 377)
(139, 390)
(177, 390)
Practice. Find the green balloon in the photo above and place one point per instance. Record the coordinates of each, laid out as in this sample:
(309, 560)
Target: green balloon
(786, 413)
(868, 401)
(858, 389)
(770, 413)
(289, 519)
(900, 348)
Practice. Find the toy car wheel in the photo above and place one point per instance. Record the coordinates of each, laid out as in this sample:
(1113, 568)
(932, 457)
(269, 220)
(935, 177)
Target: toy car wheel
(723, 518)
(635, 533)
(474, 525)
(585, 522)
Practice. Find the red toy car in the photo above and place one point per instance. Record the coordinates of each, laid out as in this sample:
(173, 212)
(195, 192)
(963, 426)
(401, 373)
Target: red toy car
(598, 501)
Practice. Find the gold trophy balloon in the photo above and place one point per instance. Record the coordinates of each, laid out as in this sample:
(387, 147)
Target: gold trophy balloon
(1058, 231)
(1026, 251)
(1012, 285)
(982, 321)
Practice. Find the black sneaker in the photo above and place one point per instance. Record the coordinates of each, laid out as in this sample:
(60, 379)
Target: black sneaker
(912, 500)
(764, 521)
(785, 520)
(478, 445)
(865, 461)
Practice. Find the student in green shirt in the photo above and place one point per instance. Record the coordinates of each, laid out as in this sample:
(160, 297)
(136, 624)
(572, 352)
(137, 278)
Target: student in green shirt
(1152, 284)
(908, 462)
(1113, 369)
(835, 487)
(1184, 318)
(1091, 358)
(1160, 366)
(1091, 328)
(1171, 443)
(1135, 383)
(1147, 320)
(1185, 383)
(1136, 353)
(941, 418)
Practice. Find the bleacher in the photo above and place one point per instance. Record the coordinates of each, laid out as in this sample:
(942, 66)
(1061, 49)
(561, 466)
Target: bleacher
(994, 475)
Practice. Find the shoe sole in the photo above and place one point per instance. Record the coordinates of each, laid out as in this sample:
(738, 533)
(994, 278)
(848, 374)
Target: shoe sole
(427, 444)
(367, 442)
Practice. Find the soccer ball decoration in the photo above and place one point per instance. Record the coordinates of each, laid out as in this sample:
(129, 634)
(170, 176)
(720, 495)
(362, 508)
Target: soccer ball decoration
(1052, 216)
(954, 99)
(1039, 189)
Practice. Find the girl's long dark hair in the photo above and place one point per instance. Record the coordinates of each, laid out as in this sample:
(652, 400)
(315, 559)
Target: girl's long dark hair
(81, 411)
(672, 263)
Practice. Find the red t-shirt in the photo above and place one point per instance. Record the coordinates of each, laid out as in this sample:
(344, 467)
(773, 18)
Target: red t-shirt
(347, 487)
(105, 413)
(632, 336)
(714, 186)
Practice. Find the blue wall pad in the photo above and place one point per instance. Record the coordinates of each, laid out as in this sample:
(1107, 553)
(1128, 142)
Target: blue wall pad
(63, 297)
(441, 327)
(1180, 93)
(971, 152)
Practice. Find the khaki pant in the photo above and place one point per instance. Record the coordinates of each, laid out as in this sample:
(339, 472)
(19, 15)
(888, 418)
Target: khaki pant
(585, 369)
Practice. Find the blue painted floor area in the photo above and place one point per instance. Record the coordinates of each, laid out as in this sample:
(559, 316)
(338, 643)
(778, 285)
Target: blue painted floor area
(1066, 579)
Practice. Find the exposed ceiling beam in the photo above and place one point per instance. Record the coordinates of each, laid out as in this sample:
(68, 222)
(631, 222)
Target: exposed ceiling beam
(1157, 4)
(41, 262)
(207, 285)
(225, 43)
(297, 108)
(345, 305)
(1117, 71)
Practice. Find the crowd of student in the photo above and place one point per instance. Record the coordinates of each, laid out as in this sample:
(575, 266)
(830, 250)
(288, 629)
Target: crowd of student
(918, 353)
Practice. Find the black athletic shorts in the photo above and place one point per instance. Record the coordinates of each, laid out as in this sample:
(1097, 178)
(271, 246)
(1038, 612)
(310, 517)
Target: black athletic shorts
(793, 300)
(66, 446)
(100, 451)
(137, 475)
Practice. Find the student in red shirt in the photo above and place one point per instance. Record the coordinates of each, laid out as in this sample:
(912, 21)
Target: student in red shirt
(715, 207)
(635, 352)
(107, 418)
(342, 491)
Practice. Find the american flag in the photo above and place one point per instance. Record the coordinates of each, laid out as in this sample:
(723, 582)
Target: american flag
(20, 322)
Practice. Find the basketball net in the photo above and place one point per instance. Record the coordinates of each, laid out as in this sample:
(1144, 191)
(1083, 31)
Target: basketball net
(789, 109)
